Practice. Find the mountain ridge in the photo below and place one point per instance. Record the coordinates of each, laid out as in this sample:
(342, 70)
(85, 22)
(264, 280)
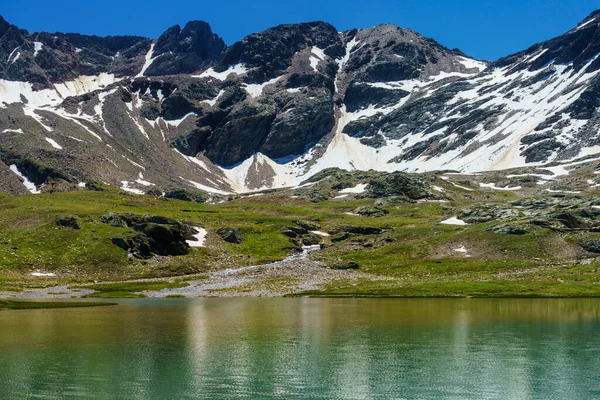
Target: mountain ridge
(185, 110)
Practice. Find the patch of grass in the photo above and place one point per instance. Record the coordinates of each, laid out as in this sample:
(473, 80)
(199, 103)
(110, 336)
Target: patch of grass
(416, 254)
(36, 305)
(136, 286)
(114, 295)
(129, 289)
(192, 278)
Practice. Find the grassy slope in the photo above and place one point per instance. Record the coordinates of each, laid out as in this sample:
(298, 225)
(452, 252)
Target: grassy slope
(416, 253)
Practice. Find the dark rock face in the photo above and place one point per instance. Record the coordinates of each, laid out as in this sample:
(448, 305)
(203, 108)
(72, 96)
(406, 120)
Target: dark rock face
(37, 172)
(360, 95)
(591, 245)
(187, 50)
(270, 52)
(186, 195)
(231, 235)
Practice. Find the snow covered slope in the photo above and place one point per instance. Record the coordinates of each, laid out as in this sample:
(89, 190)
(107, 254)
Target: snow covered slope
(532, 108)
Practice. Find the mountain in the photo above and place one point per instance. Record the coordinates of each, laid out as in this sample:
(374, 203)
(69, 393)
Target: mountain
(185, 111)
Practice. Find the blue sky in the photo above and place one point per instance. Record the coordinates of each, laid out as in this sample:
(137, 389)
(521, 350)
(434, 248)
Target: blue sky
(482, 29)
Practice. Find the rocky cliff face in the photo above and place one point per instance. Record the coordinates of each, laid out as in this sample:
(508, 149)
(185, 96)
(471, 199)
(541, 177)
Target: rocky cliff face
(283, 104)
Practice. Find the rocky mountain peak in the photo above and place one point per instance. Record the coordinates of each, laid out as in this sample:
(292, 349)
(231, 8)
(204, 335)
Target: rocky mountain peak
(403, 54)
(270, 52)
(595, 15)
(4, 25)
(576, 47)
(188, 50)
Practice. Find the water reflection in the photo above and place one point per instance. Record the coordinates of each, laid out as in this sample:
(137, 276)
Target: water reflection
(304, 348)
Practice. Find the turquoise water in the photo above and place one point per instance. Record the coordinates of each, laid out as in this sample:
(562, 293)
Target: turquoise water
(304, 349)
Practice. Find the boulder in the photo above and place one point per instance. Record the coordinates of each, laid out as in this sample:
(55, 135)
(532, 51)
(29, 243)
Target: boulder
(231, 235)
(570, 221)
(296, 230)
(370, 211)
(158, 235)
(341, 237)
(311, 240)
(156, 192)
(346, 266)
(123, 243)
(68, 222)
(114, 219)
(541, 222)
(158, 219)
(167, 240)
(363, 230)
(507, 229)
(289, 233)
(308, 225)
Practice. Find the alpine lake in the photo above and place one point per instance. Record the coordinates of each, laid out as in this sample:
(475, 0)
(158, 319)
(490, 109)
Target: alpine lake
(304, 348)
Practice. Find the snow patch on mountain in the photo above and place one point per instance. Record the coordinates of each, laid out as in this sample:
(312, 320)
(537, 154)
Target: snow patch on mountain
(11, 91)
(214, 101)
(37, 47)
(125, 186)
(148, 61)
(360, 188)
(317, 55)
(256, 90)
(13, 130)
(238, 69)
(53, 143)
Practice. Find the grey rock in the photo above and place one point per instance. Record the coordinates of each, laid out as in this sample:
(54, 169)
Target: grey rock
(346, 266)
(308, 225)
(370, 211)
(363, 230)
(68, 222)
(507, 229)
(311, 240)
(231, 235)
